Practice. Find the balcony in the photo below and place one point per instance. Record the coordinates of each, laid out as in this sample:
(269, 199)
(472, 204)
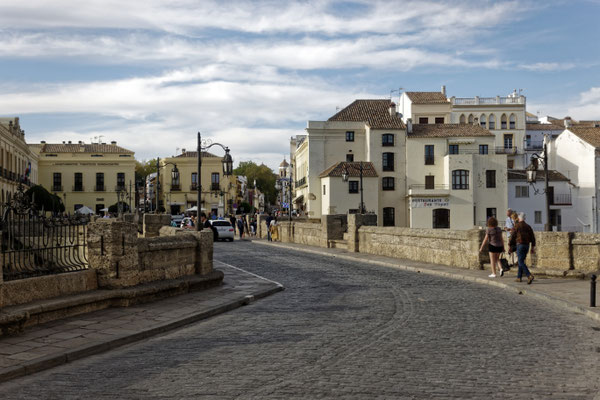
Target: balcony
(78, 188)
(476, 101)
(429, 160)
(175, 187)
(215, 186)
(561, 199)
(99, 188)
(193, 187)
(534, 145)
(506, 150)
(301, 182)
(120, 188)
(57, 188)
(428, 190)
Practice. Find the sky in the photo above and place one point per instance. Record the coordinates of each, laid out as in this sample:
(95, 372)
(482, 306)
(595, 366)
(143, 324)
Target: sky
(250, 74)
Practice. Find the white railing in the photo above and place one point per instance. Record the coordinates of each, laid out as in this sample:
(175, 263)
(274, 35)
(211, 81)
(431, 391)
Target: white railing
(474, 101)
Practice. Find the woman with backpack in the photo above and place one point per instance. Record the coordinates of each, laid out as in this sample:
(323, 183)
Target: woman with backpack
(493, 236)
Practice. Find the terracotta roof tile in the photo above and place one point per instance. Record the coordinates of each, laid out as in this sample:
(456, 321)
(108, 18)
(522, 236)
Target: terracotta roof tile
(543, 127)
(375, 113)
(589, 134)
(353, 169)
(427, 97)
(447, 130)
(83, 148)
(521, 174)
(194, 154)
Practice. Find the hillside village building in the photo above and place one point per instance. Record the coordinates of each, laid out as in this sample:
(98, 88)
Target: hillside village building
(86, 174)
(415, 175)
(17, 162)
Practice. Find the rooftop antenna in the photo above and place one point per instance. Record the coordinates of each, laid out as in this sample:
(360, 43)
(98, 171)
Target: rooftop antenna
(100, 139)
(520, 90)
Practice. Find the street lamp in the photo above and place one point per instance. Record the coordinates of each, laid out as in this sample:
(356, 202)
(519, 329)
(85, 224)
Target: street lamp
(346, 175)
(122, 195)
(174, 177)
(532, 170)
(227, 161)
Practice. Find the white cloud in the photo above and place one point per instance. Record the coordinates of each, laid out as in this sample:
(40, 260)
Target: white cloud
(547, 66)
(584, 107)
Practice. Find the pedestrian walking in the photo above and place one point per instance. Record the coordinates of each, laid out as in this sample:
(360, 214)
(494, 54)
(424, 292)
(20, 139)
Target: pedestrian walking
(240, 226)
(495, 241)
(523, 237)
(206, 224)
(268, 221)
(274, 230)
(509, 227)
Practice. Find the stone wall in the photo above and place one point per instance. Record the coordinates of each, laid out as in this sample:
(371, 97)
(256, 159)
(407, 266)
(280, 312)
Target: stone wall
(355, 221)
(333, 227)
(309, 233)
(553, 251)
(586, 252)
(439, 246)
(153, 223)
(166, 257)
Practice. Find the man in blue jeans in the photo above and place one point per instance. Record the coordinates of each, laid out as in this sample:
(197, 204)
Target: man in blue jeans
(523, 237)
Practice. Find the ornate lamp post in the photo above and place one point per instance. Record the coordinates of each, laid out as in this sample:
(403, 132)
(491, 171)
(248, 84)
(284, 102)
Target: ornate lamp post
(227, 161)
(174, 177)
(346, 175)
(532, 176)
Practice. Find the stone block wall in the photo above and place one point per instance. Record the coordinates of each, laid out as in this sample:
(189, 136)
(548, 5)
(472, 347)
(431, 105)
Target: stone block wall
(166, 257)
(355, 221)
(453, 248)
(153, 223)
(586, 251)
(553, 250)
(334, 226)
(309, 233)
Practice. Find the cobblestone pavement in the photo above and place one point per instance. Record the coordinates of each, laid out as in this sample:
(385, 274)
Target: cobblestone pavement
(342, 329)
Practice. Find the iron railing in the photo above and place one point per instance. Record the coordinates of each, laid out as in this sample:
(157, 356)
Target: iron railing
(301, 182)
(34, 245)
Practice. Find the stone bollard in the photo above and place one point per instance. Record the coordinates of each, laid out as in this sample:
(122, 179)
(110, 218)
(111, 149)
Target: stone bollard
(355, 221)
(113, 253)
(204, 251)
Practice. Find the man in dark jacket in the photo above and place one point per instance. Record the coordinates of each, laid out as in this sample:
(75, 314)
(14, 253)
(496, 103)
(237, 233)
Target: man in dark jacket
(268, 221)
(206, 224)
(523, 237)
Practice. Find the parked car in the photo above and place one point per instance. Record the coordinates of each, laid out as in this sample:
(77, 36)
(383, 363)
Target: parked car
(186, 221)
(224, 229)
(176, 219)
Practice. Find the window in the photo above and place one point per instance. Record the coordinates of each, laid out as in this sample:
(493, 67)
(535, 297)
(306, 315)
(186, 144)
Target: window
(353, 187)
(429, 160)
(78, 182)
(482, 121)
(538, 217)
(349, 136)
(388, 216)
(324, 190)
(528, 141)
(453, 149)
(441, 218)
(510, 164)
(503, 121)
(512, 121)
(522, 191)
(460, 179)
(120, 180)
(214, 181)
(439, 120)
(490, 178)
(483, 149)
(387, 139)
(194, 181)
(508, 141)
(423, 120)
(388, 162)
(387, 183)
(100, 182)
(430, 182)
(462, 119)
(471, 119)
(489, 213)
(492, 121)
(349, 157)
(57, 182)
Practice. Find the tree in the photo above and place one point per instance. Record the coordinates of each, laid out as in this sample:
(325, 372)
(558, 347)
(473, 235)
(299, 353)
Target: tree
(45, 200)
(144, 168)
(263, 175)
(115, 207)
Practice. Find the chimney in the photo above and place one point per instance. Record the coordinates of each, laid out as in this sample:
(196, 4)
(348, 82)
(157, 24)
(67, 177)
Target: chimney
(69, 142)
(80, 142)
(393, 109)
(43, 142)
(568, 122)
(409, 125)
(182, 151)
(64, 142)
(444, 90)
(114, 142)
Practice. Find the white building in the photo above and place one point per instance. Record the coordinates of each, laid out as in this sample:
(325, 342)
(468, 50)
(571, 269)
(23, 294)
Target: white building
(531, 199)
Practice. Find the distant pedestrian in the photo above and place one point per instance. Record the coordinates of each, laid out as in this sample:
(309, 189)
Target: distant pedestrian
(232, 220)
(493, 236)
(240, 226)
(509, 227)
(274, 228)
(268, 221)
(206, 224)
(523, 237)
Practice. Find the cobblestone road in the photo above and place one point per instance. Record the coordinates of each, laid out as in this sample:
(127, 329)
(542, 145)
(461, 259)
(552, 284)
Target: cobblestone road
(346, 330)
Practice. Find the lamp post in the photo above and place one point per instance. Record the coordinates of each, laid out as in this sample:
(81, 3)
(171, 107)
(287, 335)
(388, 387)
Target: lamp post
(532, 176)
(346, 175)
(227, 162)
(122, 195)
(174, 177)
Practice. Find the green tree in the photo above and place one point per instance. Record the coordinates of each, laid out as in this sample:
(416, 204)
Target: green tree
(45, 200)
(144, 168)
(263, 175)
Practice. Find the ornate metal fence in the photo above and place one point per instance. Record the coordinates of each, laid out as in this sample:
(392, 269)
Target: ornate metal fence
(35, 245)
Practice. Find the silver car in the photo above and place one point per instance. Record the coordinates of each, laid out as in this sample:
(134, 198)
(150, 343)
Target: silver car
(224, 229)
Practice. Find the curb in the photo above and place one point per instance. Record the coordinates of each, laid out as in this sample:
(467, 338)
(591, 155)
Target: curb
(564, 304)
(77, 353)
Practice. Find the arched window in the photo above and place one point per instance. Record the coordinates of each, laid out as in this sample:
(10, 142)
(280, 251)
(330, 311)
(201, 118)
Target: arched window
(462, 119)
(471, 119)
(482, 121)
(503, 121)
(460, 179)
(492, 121)
(513, 121)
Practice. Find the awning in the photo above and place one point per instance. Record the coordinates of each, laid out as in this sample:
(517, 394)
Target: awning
(299, 199)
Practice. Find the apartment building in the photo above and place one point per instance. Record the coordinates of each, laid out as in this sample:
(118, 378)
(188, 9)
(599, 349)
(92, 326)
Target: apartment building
(92, 175)
(18, 164)
(219, 192)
